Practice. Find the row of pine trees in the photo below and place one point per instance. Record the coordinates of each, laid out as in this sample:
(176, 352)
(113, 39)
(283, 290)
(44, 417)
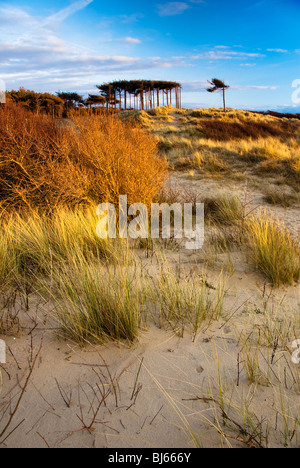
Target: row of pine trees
(116, 95)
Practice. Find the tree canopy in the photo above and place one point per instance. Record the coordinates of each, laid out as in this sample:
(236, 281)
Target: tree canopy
(218, 85)
(37, 102)
(122, 94)
(143, 94)
(72, 99)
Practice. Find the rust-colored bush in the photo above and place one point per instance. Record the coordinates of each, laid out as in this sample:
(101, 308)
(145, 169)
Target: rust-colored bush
(123, 158)
(221, 130)
(37, 168)
(46, 164)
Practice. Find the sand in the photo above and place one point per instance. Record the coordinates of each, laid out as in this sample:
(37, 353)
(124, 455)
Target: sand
(164, 391)
(158, 387)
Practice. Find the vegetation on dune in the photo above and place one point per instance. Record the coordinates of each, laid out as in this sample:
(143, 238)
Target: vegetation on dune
(56, 172)
(268, 244)
(95, 304)
(228, 130)
(90, 160)
(185, 300)
(61, 104)
(37, 102)
(123, 158)
(273, 250)
(224, 210)
(54, 175)
(279, 197)
(98, 288)
(233, 143)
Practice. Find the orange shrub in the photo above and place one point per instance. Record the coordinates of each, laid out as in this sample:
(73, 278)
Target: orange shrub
(45, 163)
(36, 164)
(123, 158)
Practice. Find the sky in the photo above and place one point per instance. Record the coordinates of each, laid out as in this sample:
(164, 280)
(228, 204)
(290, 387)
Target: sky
(73, 45)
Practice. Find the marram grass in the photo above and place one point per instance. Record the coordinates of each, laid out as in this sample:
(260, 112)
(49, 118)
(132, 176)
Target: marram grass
(95, 295)
(32, 242)
(273, 250)
(7, 262)
(186, 301)
(95, 304)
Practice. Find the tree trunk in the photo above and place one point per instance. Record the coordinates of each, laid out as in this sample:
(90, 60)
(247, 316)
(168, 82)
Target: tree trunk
(224, 101)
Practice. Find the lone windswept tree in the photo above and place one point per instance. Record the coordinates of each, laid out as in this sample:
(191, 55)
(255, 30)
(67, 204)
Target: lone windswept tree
(218, 85)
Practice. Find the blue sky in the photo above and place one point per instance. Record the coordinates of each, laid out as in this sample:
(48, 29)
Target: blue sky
(73, 45)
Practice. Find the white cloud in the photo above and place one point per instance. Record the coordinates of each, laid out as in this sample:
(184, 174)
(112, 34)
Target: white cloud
(279, 51)
(172, 8)
(225, 55)
(70, 10)
(132, 40)
(251, 87)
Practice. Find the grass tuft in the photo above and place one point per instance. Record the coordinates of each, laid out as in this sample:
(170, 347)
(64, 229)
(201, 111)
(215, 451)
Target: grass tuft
(224, 210)
(190, 300)
(94, 304)
(273, 250)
